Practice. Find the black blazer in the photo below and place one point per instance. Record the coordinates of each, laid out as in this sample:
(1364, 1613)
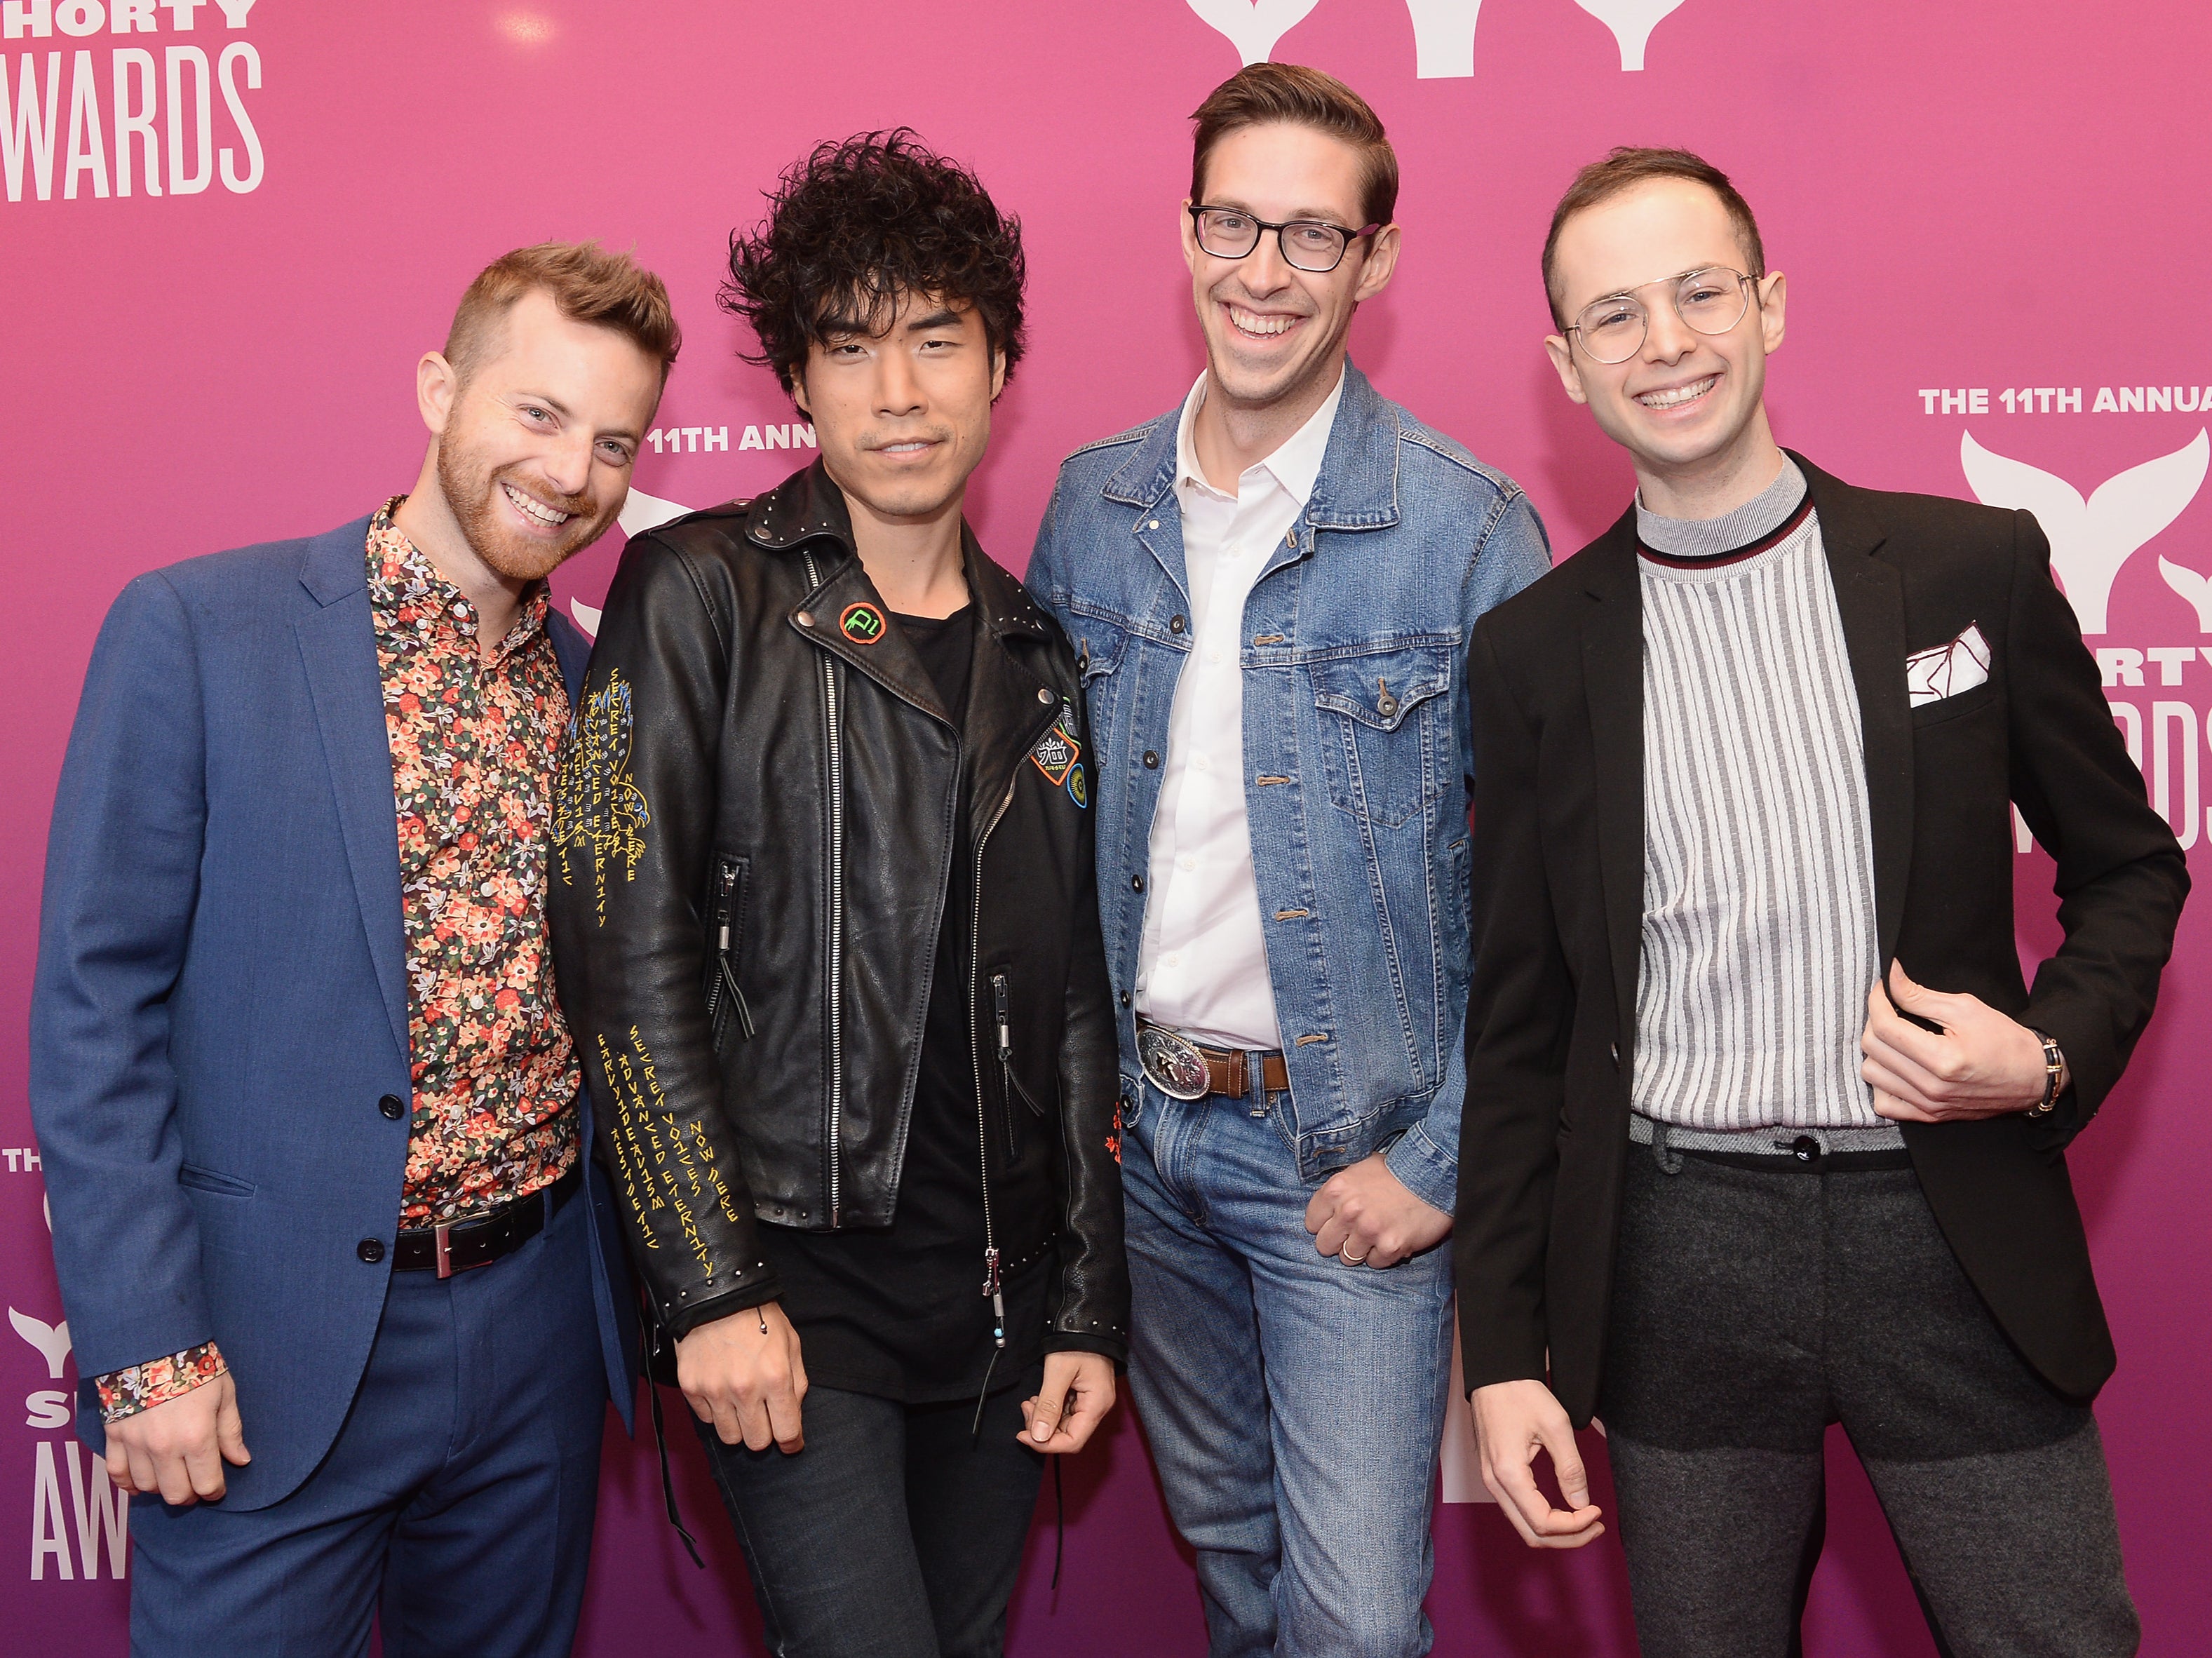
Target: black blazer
(1556, 681)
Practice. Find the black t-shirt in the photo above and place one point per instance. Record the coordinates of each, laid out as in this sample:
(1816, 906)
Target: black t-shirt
(899, 1312)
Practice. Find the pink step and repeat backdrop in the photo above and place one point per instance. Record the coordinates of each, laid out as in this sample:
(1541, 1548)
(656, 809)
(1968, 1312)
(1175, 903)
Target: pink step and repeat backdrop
(229, 227)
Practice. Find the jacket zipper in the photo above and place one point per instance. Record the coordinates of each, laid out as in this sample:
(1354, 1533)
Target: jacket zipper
(726, 976)
(998, 1000)
(837, 917)
(992, 1284)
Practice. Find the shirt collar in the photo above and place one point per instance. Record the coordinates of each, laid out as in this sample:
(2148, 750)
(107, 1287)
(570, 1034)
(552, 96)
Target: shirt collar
(1295, 466)
(406, 588)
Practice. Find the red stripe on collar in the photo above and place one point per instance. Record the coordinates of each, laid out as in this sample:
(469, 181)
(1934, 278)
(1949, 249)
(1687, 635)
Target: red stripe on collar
(1767, 543)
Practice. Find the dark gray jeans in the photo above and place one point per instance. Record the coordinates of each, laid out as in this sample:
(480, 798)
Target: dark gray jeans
(894, 1534)
(1752, 1307)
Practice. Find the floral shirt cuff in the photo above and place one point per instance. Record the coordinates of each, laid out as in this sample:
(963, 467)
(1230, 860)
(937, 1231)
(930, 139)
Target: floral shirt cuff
(142, 1387)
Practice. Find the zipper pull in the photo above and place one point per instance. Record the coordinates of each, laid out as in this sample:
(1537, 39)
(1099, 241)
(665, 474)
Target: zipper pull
(998, 1299)
(1005, 1025)
(737, 996)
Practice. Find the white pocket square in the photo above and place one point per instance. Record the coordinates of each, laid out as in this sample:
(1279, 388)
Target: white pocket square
(1944, 671)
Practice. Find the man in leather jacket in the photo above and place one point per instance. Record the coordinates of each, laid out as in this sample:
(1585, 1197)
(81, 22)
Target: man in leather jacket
(827, 929)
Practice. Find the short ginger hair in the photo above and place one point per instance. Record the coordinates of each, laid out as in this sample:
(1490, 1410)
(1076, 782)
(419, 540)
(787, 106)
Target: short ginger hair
(584, 282)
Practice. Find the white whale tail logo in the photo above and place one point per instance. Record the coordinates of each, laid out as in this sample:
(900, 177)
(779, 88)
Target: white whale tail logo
(1632, 23)
(1444, 37)
(2091, 540)
(1254, 26)
(1443, 30)
(52, 1340)
(642, 512)
(2197, 589)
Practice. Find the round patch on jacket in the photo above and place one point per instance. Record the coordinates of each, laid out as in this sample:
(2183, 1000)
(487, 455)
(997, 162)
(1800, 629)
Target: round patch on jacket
(862, 623)
(1078, 790)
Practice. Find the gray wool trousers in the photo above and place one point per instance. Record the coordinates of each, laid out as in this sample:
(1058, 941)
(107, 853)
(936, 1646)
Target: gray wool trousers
(1758, 1299)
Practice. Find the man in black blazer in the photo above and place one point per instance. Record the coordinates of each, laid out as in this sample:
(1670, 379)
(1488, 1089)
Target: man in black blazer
(1731, 1169)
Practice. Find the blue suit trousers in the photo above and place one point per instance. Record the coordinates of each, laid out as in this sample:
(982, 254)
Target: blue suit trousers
(455, 1507)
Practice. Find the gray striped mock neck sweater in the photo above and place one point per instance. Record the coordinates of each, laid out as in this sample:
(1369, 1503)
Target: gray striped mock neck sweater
(1758, 921)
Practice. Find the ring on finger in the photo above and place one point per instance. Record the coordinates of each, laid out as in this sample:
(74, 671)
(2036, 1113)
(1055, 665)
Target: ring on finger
(1353, 1261)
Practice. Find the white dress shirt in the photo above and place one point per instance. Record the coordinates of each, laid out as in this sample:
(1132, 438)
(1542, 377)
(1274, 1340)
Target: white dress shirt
(1202, 966)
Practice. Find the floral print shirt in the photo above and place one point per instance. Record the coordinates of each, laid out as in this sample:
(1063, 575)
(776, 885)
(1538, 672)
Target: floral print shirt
(496, 1076)
(473, 744)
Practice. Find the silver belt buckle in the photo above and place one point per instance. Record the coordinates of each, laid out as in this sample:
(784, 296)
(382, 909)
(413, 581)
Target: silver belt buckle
(1172, 1064)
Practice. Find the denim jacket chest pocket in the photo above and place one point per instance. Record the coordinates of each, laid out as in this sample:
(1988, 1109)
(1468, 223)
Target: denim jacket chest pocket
(1098, 647)
(1384, 728)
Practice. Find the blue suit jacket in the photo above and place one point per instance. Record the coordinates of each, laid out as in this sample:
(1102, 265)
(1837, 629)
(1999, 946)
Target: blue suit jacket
(220, 1001)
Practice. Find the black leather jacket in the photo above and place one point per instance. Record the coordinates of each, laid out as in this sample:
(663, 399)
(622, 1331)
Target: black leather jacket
(754, 827)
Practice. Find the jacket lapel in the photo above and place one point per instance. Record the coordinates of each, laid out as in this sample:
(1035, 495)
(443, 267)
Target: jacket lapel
(1613, 681)
(846, 616)
(1010, 708)
(843, 615)
(337, 649)
(571, 650)
(1870, 598)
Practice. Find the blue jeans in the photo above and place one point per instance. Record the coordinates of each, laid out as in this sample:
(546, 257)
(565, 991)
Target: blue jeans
(1293, 1403)
(897, 1532)
(456, 1505)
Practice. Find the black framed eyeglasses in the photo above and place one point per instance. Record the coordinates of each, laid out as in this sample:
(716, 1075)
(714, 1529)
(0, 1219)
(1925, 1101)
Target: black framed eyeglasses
(1710, 301)
(1314, 246)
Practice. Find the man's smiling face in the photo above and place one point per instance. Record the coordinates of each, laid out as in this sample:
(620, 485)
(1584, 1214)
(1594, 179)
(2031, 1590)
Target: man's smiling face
(1685, 401)
(1272, 329)
(535, 454)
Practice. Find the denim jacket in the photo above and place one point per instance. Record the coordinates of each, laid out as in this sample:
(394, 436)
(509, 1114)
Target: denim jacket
(1356, 748)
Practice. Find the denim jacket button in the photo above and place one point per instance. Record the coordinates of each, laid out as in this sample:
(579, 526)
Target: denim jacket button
(1152, 759)
(1176, 625)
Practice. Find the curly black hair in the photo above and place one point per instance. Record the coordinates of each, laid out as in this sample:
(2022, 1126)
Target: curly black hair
(855, 228)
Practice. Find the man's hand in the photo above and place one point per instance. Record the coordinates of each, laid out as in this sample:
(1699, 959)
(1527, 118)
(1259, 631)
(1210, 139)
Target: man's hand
(1366, 1217)
(1980, 1063)
(743, 1374)
(176, 1449)
(1514, 1420)
(1077, 1391)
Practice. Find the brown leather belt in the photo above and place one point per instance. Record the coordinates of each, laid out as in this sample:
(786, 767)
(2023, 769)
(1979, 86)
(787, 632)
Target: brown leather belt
(478, 1242)
(1228, 1072)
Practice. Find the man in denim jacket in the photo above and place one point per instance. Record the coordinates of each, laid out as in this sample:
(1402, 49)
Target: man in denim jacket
(1271, 592)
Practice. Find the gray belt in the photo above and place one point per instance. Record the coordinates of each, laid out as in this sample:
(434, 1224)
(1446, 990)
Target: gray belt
(1772, 1141)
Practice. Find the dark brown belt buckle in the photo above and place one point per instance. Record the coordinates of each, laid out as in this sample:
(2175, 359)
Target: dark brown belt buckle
(444, 1235)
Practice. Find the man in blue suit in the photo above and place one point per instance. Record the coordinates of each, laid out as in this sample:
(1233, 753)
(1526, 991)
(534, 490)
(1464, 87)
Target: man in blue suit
(311, 1117)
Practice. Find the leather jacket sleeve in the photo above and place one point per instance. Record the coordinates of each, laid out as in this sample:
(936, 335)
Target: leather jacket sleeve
(1091, 1311)
(634, 827)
